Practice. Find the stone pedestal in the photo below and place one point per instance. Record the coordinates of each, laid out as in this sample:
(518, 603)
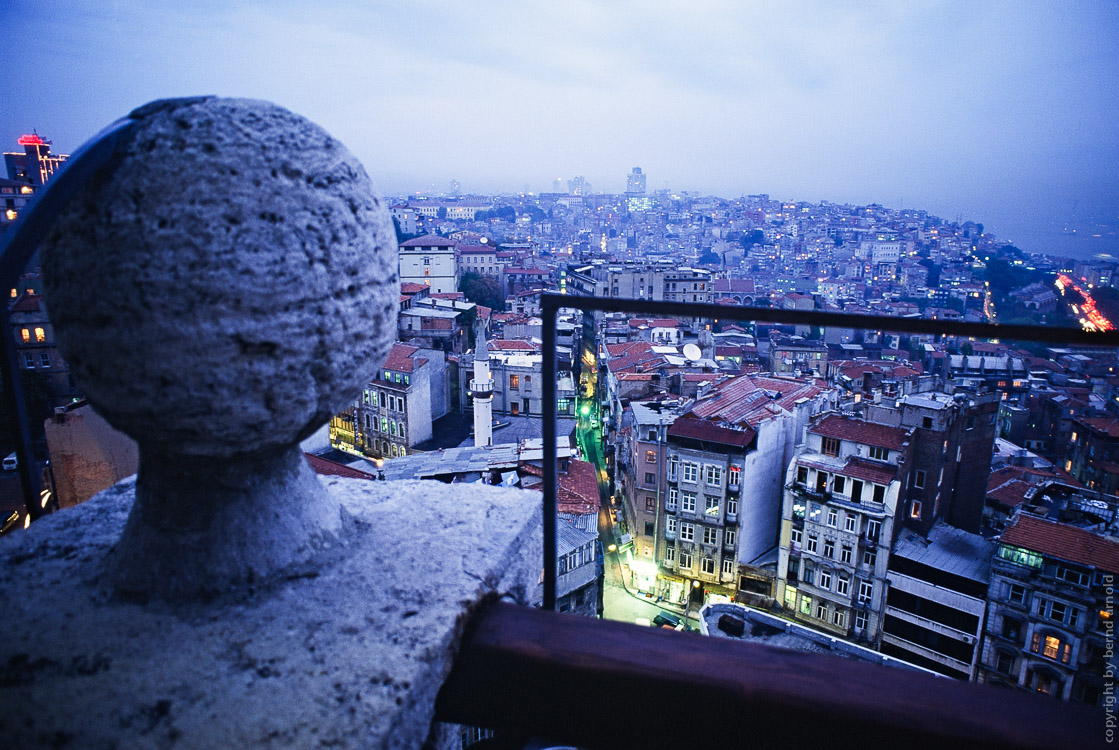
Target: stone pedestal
(348, 651)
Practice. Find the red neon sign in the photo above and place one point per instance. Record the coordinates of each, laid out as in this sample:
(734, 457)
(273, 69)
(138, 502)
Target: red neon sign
(30, 140)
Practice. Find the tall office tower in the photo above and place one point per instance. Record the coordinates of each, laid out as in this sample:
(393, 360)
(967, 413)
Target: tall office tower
(456, 188)
(579, 186)
(635, 182)
(557, 185)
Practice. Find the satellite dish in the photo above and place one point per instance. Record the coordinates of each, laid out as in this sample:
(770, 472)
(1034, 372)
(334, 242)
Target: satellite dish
(692, 353)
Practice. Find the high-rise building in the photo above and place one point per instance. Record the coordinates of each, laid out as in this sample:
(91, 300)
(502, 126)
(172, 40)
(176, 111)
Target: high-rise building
(579, 186)
(635, 182)
(36, 164)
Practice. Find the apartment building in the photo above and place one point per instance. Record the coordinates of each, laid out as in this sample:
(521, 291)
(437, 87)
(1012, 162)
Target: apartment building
(936, 599)
(838, 523)
(1050, 613)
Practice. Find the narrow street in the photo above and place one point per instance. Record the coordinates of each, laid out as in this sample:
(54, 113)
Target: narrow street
(618, 603)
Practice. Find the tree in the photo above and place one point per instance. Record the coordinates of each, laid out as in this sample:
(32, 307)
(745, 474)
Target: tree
(482, 290)
(755, 237)
(441, 213)
(710, 257)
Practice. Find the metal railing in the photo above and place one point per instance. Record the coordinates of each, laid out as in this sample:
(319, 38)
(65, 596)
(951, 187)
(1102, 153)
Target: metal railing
(551, 304)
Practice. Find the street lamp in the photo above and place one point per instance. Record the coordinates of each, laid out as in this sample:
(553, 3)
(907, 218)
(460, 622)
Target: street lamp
(688, 602)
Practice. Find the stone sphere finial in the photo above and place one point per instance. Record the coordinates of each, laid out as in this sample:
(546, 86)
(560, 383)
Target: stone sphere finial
(219, 292)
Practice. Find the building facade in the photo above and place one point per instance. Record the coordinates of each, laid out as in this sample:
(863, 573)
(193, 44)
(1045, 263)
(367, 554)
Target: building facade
(841, 499)
(1050, 617)
(430, 260)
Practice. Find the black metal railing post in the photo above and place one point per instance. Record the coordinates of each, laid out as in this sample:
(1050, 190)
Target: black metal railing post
(18, 245)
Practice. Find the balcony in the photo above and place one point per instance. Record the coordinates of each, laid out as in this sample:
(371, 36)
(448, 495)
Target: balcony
(868, 541)
(481, 388)
(231, 599)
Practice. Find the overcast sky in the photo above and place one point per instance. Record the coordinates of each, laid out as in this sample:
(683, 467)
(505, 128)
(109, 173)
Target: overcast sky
(1001, 112)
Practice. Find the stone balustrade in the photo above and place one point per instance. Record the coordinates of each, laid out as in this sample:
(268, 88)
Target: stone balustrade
(220, 289)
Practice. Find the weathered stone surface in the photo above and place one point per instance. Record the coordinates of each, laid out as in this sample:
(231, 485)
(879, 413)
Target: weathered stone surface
(219, 293)
(229, 285)
(349, 652)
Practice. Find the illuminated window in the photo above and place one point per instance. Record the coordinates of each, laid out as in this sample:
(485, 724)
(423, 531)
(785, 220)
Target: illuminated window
(40, 335)
(514, 381)
(394, 449)
(25, 334)
(650, 456)
(915, 509)
(805, 605)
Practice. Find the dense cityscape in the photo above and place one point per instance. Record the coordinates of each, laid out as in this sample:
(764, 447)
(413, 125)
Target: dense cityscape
(940, 503)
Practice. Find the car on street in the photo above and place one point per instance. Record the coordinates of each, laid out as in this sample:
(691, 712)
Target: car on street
(667, 618)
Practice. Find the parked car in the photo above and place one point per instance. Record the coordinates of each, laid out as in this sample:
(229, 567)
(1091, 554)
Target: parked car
(667, 618)
(11, 463)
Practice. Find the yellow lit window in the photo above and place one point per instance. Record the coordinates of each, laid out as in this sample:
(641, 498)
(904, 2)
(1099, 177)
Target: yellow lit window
(25, 334)
(1052, 647)
(40, 335)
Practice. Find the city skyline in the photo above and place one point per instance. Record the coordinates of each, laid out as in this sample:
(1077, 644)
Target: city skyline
(1000, 113)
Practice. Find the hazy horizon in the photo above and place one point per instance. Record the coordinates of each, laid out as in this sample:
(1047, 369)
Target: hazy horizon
(1003, 113)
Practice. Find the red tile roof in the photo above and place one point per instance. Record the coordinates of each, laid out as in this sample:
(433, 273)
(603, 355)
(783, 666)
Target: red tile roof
(711, 432)
(857, 468)
(333, 469)
(753, 399)
(1104, 425)
(578, 489)
(407, 287)
(1063, 541)
(512, 345)
(856, 430)
(402, 358)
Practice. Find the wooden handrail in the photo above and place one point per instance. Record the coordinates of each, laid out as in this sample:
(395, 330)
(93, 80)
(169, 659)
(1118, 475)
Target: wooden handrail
(598, 684)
